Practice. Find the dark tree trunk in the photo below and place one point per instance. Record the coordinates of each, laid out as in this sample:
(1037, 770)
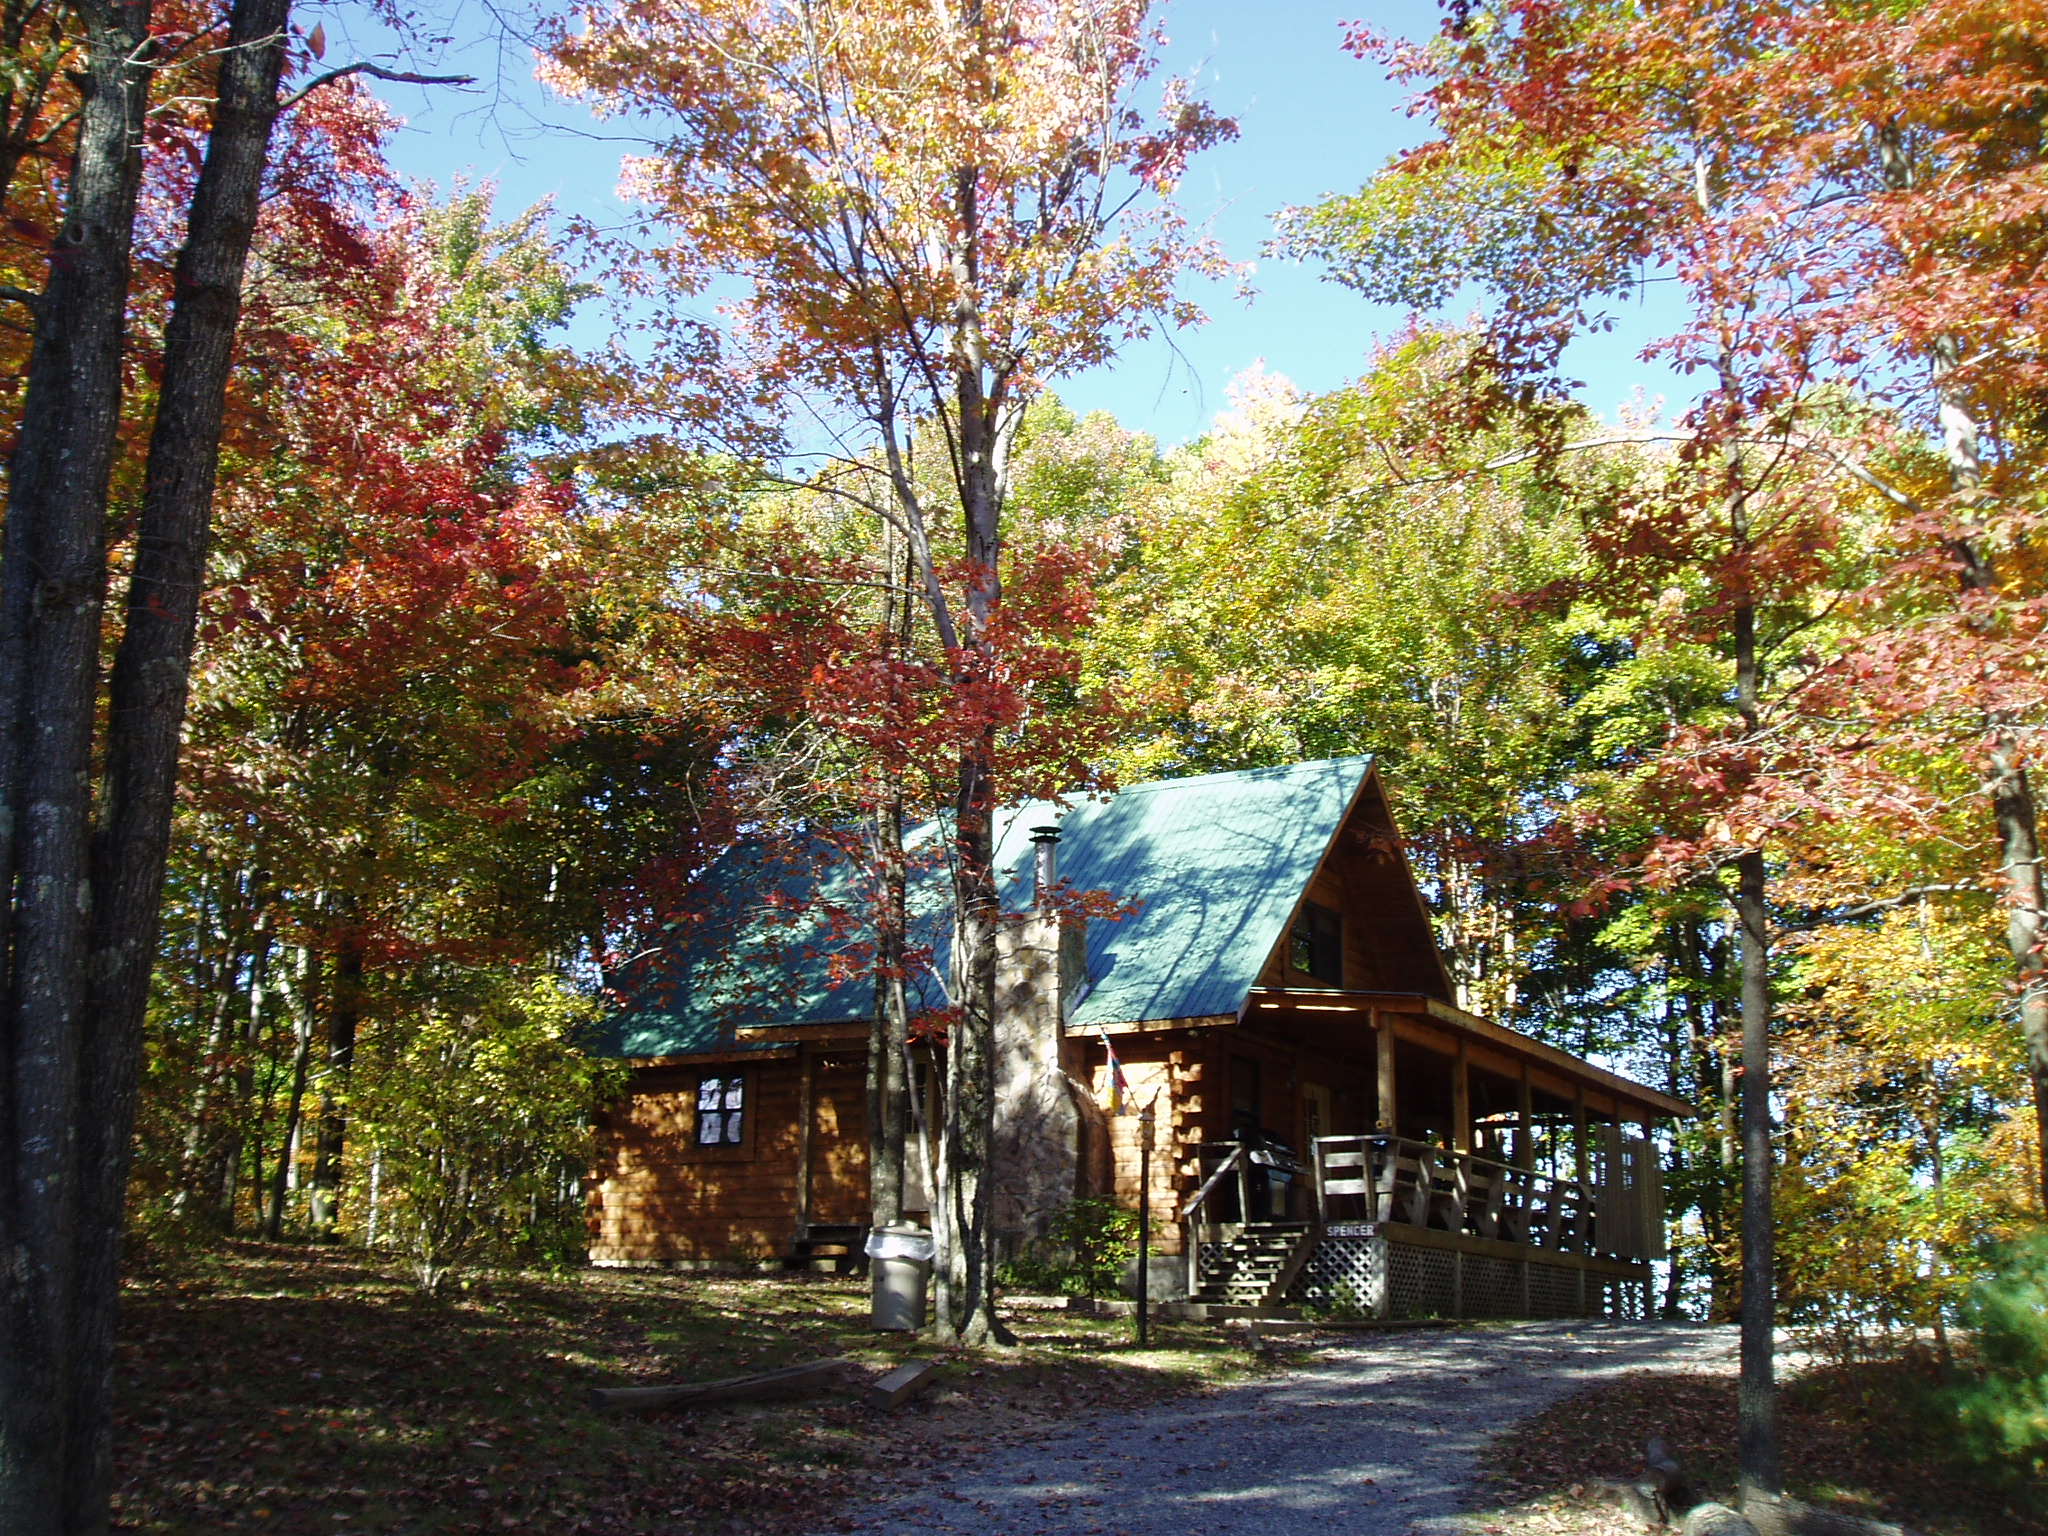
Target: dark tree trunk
(965, 1289)
(344, 1016)
(52, 587)
(80, 976)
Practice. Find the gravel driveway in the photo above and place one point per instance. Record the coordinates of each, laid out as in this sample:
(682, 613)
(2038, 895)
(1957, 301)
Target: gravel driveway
(1376, 1437)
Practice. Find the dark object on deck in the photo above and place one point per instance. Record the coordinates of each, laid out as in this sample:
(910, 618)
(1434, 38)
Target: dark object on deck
(790, 1381)
(903, 1383)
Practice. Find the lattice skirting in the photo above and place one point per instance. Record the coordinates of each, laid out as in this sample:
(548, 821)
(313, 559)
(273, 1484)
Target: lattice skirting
(1347, 1274)
(1359, 1271)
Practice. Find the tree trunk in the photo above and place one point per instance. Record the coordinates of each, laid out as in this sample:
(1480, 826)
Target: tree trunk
(889, 1033)
(2013, 812)
(288, 1137)
(966, 1291)
(53, 1300)
(344, 1016)
(148, 690)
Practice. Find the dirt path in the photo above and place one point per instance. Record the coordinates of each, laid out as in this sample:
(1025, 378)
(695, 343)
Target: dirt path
(1375, 1438)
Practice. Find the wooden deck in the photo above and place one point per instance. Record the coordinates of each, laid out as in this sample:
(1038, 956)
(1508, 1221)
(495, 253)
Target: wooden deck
(1401, 1228)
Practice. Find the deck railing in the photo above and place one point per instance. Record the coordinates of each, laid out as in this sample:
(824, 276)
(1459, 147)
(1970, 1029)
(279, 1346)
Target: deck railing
(1412, 1183)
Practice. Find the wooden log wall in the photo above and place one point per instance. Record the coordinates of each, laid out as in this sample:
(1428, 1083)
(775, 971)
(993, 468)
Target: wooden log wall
(658, 1197)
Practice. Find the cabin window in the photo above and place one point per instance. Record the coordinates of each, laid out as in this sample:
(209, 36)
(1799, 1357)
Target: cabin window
(1318, 944)
(721, 1110)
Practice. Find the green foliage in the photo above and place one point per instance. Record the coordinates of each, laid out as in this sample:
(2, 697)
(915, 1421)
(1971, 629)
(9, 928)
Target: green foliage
(476, 1122)
(1087, 1246)
(2004, 1409)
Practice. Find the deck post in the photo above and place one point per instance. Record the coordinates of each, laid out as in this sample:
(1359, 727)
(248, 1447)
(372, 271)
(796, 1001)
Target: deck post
(1581, 1161)
(1383, 1050)
(1525, 1111)
(807, 1073)
(1461, 1101)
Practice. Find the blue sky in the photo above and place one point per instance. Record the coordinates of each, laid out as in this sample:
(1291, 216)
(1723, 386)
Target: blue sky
(1313, 121)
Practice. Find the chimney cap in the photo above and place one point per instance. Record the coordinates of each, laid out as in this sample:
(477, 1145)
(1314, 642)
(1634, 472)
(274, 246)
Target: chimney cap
(1046, 834)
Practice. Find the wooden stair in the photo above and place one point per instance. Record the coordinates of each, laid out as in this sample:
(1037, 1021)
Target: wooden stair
(1259, 1263)
(829, 1248)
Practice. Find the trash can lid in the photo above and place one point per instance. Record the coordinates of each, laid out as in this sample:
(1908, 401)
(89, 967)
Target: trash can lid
(900, 1243)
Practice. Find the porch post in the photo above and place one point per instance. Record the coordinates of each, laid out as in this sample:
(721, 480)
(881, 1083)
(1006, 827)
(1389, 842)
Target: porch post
(1581, 1163)
(1383, 1046)
(1525, 1137)
(1461, 1101)
(806, 1070)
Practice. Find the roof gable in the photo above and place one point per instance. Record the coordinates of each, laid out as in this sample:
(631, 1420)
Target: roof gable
(1215, 865)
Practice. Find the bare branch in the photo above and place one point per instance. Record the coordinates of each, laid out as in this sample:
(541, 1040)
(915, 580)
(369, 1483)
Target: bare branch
(399, 76)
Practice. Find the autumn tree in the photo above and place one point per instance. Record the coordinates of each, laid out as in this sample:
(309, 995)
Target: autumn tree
(935, 212)
(85, 815)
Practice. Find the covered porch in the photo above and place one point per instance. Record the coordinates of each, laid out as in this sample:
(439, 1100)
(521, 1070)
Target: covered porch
(1414, 1160)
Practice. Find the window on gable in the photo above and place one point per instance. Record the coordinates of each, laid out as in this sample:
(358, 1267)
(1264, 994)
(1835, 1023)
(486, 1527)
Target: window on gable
(721, 1110)
(1316, 947)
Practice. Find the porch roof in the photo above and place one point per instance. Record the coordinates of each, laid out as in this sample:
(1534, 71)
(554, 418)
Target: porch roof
(1451, 1023)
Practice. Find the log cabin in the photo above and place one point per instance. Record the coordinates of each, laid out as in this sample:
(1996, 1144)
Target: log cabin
(1329, 1128)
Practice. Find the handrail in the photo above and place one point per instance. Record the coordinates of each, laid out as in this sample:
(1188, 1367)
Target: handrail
(1463, 1191)
(1228, 1163)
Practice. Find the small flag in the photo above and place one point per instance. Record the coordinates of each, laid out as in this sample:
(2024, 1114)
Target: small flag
(1119, 1085)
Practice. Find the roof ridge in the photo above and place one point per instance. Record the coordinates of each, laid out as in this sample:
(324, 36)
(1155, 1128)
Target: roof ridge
(1245, 773)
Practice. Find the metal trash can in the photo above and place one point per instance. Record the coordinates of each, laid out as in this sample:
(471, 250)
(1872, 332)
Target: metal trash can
(899, 1268)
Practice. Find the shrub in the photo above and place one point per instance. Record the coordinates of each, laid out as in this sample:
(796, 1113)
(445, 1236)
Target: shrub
(1087, 1246)
(2003, 1407)
(476, 1123)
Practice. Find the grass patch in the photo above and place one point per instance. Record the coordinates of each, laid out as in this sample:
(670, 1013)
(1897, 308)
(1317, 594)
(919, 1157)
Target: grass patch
(1863, 1439)
(288, 1390)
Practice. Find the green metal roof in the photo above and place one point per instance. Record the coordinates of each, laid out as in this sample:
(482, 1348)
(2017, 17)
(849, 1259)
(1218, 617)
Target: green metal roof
(1215, 865)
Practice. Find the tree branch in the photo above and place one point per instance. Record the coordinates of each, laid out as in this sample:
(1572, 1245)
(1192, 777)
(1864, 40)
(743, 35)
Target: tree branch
(1882, 904)
(399, 76)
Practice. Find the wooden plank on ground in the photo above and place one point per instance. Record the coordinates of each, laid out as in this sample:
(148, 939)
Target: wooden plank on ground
(790, 1381)
(903, 1383)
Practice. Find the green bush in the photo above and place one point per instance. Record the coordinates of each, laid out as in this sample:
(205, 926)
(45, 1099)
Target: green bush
(1087, 1246)
(2003, 1405)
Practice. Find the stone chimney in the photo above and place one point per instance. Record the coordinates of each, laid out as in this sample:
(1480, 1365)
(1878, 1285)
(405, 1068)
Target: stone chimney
(1041, 969)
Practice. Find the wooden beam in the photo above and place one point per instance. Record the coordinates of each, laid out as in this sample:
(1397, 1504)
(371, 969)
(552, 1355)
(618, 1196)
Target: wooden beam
(1525, 1132)
(1156, 1026)
(790, 1381)
(1485, 1032)
(1461, 1100)
(1386, 1109)
(1580, 1165)
(713, 1058)
(903, 1383)
(803, 1145)
(798, 1034)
